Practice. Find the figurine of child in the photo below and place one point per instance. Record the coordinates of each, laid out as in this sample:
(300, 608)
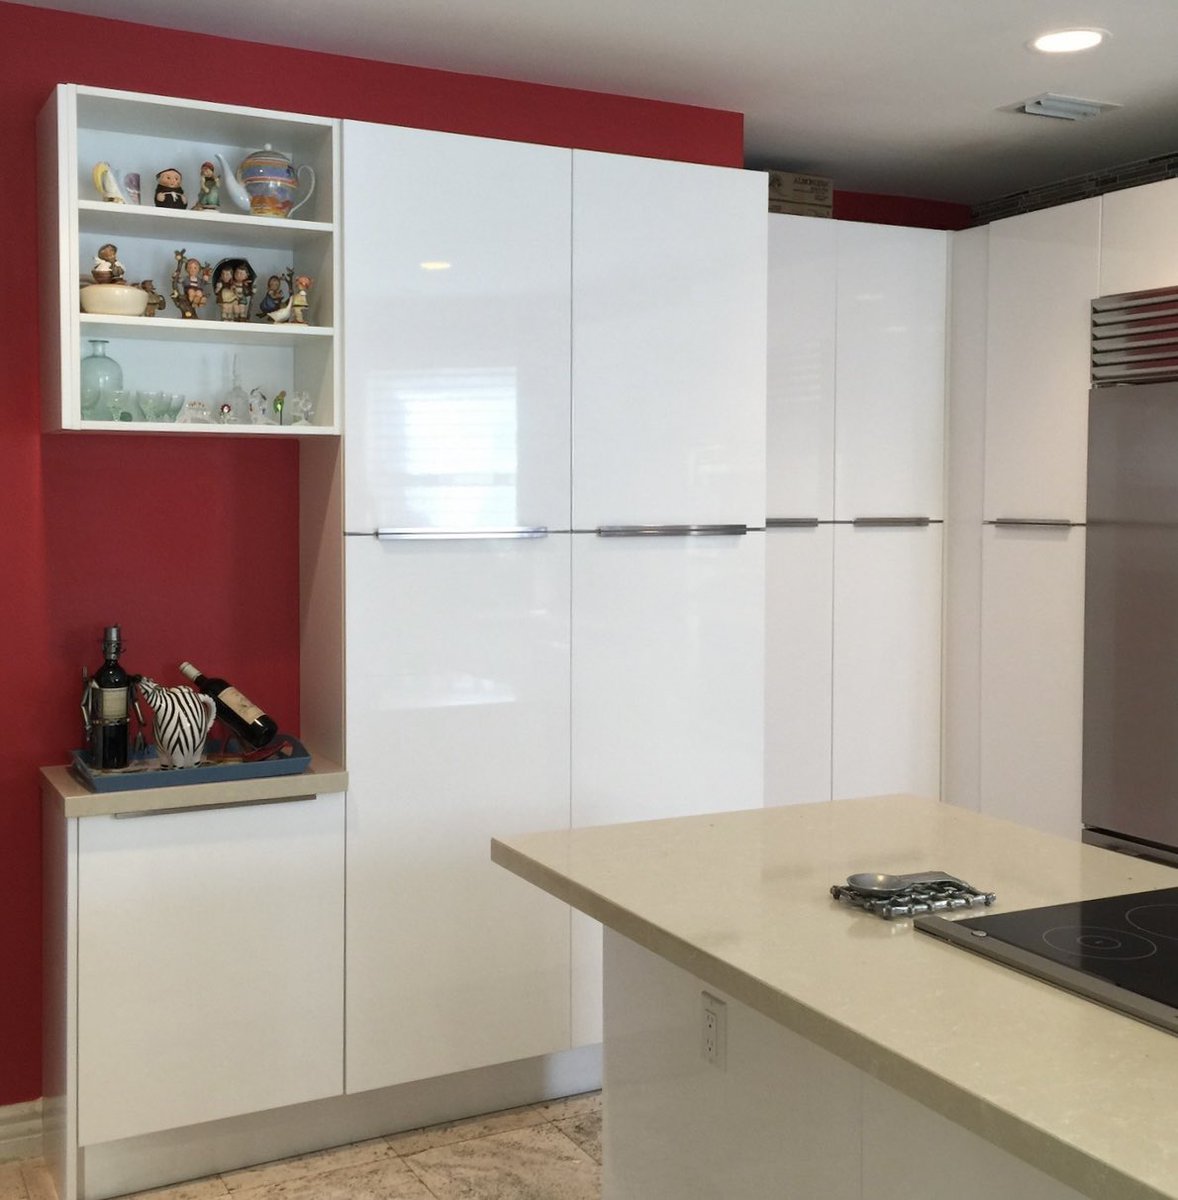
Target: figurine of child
(107, 268)
(196, 277)
(299, 301)
(169, 189)
(155, 302)
(243, 292)
(273, 300)
(226, 296)
(210, 187)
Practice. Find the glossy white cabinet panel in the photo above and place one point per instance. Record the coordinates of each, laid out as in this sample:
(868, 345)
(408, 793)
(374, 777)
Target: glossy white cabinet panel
(1032, 676)
(668, 342)
(887, 661)
(799, 576)
(800, 384)
(889, 420)
(1043, 275)
(1138, 238)
(457, 286)
(668, 687)
(210, 964)
(458, 728)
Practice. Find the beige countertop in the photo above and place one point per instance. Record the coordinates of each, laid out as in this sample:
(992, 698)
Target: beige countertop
(59, 785)
(742, 901)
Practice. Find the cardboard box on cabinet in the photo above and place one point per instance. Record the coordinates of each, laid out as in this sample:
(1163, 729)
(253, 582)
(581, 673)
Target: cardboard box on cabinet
(802, 195)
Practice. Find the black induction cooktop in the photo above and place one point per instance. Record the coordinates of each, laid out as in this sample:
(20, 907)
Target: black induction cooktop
(1121, 951)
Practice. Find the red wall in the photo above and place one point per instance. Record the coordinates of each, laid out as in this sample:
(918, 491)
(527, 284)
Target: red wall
(187, 542)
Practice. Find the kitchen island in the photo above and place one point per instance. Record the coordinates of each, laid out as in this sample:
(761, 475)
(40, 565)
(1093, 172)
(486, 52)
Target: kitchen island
(857, 1057)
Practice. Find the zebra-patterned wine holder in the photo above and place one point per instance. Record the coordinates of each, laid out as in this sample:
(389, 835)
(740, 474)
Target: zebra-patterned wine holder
(182, 719)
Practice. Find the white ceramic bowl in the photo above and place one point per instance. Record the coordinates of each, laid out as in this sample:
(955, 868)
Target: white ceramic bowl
(116, 299)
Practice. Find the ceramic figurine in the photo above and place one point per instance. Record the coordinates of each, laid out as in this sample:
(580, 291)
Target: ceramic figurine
(274, 298)
(107, 268)
(169, 189)
(210, 187)
(299, 301)
(188, 280)
(234, 288)
(267, 183)
(155, 302)
(107, 184)
(131, 187)
(182, 719)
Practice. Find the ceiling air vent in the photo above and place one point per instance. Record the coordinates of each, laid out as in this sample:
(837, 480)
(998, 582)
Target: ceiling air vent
(1066, 108)
(1135, 337)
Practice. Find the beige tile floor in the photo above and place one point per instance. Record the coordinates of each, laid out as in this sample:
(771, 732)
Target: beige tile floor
(548, 1151)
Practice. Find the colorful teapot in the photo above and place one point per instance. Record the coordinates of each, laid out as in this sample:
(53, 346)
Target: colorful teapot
(182, 720)
(267, 183)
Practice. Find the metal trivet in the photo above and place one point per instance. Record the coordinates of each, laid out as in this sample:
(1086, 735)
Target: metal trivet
(890, 896)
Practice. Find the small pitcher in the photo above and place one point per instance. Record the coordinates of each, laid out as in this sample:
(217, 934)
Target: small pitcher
(182, 720)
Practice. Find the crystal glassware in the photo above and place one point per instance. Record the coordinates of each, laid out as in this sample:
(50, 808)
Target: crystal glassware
(100, 374)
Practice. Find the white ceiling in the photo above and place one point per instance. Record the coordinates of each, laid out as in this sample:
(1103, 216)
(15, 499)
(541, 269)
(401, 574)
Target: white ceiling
(905, 97)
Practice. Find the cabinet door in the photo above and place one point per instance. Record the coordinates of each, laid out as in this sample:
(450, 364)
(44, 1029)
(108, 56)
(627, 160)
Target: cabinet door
(800, 382)
(458, 720)
(1138, 238)
(210, 964)
(668, 694)
(887, 661)
(1043, 274)
(457, 356)
(889, 417)
(668, 342)
(798, 625)
(1032, 676)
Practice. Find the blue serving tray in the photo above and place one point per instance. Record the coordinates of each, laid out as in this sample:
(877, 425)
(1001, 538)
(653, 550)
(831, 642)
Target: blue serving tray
(147, 772)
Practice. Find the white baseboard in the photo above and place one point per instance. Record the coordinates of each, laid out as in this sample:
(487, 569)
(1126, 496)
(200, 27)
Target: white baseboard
(20, 1131)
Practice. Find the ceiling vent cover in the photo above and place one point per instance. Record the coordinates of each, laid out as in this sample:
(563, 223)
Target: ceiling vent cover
(1065, 108)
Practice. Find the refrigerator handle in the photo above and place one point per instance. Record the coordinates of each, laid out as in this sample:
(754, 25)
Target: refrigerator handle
(453, 535)
(671, 530)
(1037, 522)
(891, 522)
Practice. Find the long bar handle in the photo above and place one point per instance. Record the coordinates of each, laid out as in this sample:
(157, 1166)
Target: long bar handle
(891, 522)
(453, 535)
(1037, 522)
(671, 530)
(792, 522)
(186, 808)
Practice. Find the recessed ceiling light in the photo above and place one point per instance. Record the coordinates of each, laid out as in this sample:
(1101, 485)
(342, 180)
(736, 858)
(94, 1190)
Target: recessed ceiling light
(1067, 41)
(435, 266)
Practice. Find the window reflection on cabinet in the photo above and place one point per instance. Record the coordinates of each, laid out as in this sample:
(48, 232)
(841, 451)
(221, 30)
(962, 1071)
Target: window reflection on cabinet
(175, 365)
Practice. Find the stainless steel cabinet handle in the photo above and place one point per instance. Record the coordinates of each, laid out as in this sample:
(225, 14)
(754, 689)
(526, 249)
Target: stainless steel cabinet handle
(792, 522)
(1040, 522)
(451, 535)
(891, 522)
(671, 530)
(187, 808)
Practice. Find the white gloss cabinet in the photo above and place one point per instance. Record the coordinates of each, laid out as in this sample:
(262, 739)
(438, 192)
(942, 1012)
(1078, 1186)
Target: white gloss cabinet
(458, 718)
(668, 342)
(887, 661)
(889, 413)
(80, 127)
(1032, 677)
(667, 694)
(459, 337)
(1044, 271)
(1138, 238)
(209, 964)
(800, 383)
(799, 627)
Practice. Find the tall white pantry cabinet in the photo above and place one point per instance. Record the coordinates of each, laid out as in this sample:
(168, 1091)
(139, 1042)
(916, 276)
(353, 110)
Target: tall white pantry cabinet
(533, 375)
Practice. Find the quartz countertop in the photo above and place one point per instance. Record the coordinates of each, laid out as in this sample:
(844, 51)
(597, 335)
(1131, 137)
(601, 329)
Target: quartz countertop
(742, 901)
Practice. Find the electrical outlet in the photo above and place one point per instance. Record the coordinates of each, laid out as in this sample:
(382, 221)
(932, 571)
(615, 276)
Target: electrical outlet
(714, 1031)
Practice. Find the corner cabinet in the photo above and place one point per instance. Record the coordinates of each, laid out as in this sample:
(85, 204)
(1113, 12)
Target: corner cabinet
(166, 356)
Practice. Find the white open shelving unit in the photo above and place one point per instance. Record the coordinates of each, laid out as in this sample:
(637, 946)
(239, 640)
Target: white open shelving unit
(81, 126)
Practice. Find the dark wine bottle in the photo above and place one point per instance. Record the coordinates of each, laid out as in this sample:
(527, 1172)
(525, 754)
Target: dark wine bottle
(110, 706)
(236, 710)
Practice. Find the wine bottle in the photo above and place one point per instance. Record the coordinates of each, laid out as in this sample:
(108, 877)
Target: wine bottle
(236, 710)
(110, 706)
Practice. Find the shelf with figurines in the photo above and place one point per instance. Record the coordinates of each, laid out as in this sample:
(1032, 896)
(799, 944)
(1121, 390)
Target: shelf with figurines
(222, 270)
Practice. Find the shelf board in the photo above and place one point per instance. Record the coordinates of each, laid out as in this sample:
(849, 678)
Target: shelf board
(138, 220)
(172, 329)
(214, 429)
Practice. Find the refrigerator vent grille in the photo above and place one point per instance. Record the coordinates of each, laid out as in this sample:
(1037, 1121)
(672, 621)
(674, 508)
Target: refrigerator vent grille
(1135, 337)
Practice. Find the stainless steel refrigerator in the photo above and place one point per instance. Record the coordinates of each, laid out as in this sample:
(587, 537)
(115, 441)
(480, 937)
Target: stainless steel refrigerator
(1130, 794)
